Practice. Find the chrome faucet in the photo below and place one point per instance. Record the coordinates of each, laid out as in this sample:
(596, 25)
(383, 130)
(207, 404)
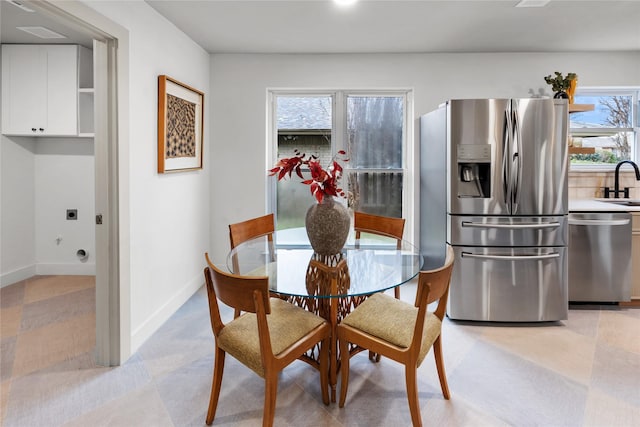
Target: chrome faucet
(616, 185)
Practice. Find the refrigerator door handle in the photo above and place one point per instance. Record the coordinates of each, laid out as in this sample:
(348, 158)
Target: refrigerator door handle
(506, 169)
(598, 222)
(512, 226)
(517, 170)
(511, 257)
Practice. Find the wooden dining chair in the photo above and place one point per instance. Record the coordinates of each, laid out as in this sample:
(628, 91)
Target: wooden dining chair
(240, 232)
(401, 331)
(382, 226)
(270, 334)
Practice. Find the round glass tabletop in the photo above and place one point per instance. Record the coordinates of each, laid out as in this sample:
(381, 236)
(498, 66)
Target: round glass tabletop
(375, 266)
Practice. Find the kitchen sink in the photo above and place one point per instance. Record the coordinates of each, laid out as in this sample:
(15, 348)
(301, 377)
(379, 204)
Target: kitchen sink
(624, 202)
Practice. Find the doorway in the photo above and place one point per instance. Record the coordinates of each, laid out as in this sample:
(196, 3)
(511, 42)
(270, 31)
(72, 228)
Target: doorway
(112, 334)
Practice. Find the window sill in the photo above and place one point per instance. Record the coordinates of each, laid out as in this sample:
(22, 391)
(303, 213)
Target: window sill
(591, 168)
(602, 168)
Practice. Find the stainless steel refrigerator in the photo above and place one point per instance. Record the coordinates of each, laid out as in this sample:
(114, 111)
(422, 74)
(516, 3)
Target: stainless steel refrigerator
(493, 184)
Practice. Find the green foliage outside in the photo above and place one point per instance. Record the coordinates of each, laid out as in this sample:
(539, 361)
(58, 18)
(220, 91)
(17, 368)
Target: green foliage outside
(599, 157)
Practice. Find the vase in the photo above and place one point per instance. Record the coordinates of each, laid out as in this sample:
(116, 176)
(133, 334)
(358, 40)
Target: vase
(561, 95)
(572, 89)
(327, 225)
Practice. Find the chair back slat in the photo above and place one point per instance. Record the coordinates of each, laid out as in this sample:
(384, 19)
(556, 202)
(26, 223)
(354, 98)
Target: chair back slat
(246, 230)
(380, 225)
(237, 291)
(436, 283)
(240, 232)
(214, 309)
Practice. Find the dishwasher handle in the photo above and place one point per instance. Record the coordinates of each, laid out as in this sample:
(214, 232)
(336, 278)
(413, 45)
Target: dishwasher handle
(598, 222)
(511, 257)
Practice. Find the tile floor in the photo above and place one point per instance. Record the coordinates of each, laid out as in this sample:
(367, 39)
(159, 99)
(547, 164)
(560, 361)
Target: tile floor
(581, 372)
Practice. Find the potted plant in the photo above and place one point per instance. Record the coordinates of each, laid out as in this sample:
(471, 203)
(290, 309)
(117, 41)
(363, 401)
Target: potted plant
(323, 182)
(327, 222)
(560, 84)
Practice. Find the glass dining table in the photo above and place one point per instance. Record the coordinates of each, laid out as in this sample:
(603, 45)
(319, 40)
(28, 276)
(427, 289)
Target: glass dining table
(330, 286)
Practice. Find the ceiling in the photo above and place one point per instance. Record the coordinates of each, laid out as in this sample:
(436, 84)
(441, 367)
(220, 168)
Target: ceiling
(376, 26)
(12, 17)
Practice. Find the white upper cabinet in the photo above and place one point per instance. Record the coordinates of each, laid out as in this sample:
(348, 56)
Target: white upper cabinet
(40, 90)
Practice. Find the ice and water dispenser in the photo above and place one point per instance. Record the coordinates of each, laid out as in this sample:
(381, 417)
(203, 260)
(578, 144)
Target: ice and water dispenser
(474, 170)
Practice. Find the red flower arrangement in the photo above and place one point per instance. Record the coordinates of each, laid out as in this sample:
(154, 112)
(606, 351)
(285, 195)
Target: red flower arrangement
(323, 182)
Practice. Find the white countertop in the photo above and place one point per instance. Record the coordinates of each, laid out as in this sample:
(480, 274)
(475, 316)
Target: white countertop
(598, 205)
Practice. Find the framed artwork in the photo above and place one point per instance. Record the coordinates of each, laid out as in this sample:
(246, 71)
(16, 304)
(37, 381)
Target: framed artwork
(180, 126)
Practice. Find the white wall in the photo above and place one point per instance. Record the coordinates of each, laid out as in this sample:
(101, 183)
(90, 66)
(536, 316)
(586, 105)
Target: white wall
(17, 213)
(41, 178)
(64, 179)
(169, 214)
(239, 84)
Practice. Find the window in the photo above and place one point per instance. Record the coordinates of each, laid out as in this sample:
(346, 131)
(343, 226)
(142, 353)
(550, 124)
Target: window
(370, 127)
(375, 135)
(610, 130)
(303, 123)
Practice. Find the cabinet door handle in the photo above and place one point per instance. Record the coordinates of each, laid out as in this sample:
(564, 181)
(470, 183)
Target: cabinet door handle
(33, 129)
(41, 129)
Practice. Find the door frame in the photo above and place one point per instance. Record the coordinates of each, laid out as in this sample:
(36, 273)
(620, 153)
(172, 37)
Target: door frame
(111, 141)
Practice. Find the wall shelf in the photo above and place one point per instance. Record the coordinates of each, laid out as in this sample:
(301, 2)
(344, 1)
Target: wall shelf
(581, 108)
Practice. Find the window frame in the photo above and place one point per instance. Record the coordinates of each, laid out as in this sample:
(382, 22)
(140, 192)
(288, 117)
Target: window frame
(339, 141)
(634, 92)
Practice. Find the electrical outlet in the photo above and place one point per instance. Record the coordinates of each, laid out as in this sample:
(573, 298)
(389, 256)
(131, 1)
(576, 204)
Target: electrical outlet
(72, 214)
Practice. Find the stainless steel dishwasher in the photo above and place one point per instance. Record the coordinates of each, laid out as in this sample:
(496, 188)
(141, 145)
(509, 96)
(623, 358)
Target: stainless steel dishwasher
(599, 256)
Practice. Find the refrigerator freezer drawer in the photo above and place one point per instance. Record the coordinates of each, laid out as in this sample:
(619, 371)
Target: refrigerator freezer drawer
(508, 231)
(527, 284)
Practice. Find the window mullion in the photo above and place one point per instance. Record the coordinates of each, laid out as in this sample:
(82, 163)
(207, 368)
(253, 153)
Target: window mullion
(339, 130)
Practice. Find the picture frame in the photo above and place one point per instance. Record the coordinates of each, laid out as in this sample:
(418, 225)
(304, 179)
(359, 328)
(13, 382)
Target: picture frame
(180, 126)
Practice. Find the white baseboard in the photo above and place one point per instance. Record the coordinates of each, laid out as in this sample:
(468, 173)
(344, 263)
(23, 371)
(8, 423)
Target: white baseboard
(88, 269)
(11, 277)
(15, 276)
(157, 319)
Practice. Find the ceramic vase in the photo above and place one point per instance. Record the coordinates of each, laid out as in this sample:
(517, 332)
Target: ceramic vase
(327, 225)
(561, 95)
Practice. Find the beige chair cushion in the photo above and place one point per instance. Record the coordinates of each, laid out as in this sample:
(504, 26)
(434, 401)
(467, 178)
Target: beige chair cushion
(287, 324)
(393, 320)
